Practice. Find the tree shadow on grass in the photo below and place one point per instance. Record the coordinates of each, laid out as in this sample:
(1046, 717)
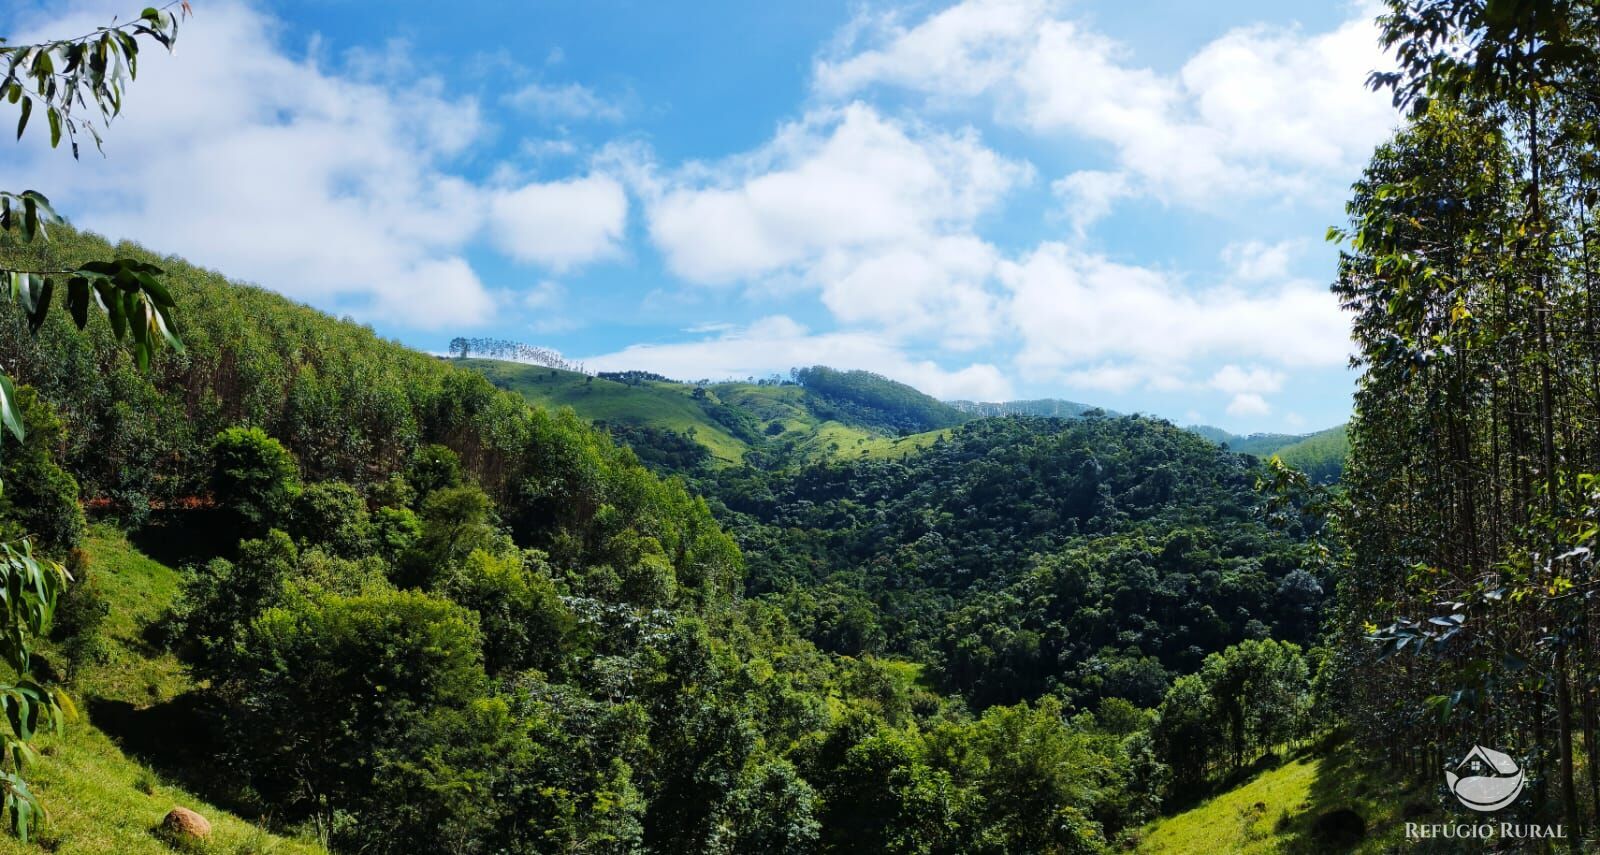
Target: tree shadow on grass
(178, 739)
(178, 537)
(1354, 804)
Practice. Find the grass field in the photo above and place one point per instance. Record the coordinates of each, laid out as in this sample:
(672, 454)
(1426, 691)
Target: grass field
(99, 799)
(889, 448)
(1276, 811)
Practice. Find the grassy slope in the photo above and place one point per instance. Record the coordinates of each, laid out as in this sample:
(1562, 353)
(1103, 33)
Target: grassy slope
(662, 405)
(99, 799)
(889, 448)
(669, 406)
(1274, 811)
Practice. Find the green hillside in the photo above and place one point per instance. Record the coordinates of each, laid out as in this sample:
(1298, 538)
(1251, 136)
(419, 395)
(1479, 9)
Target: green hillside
(664, 406)
(1277, 810)
(1320, 455)
(824, 414)
(102, 795)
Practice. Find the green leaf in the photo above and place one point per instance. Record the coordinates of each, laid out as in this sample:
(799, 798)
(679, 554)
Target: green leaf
(10, 415)
(78, 300)
(41, 304)
(27, 110)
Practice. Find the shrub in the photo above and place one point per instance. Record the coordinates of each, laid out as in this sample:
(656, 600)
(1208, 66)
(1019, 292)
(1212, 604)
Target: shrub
(253, 475)
(39, 498)
(331, 515)
(80, 615)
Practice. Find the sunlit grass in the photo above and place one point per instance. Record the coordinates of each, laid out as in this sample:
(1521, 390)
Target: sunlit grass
(99, 799)
(1275, 811)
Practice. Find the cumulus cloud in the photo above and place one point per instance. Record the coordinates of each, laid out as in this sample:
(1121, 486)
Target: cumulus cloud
(777, 343)
(1074, 308)
(560, 223)
(937, 287)
(1087, 196)
(335, 186)
(1255, 261)
(834, 181)
(875, 214)
(1248, 404)
(1259, 110)
(1231, 378)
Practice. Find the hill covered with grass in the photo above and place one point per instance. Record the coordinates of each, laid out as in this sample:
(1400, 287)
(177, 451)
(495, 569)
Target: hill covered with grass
(820, 414)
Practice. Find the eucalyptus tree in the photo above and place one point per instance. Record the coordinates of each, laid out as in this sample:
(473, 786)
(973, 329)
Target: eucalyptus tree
(76, 86)
(1470, 274)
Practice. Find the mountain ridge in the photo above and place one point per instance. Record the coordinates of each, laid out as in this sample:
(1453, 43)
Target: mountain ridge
(818, 413)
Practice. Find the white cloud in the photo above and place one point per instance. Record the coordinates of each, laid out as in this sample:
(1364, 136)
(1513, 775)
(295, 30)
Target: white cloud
(1088, 195)
(836, 181)
(778, 343)
(1073, 308)
(561, 223)
(1235, 380)
(274, 169)
(1106, 377)
(962, 50)
(1255, 261)
(935, 287)
(572, 101)
(874, 214)
(1260, 110)
(545, 295)
(1248, 404)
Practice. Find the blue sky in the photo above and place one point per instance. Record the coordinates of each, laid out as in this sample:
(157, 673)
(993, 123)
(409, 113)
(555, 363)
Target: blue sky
(1116, 203)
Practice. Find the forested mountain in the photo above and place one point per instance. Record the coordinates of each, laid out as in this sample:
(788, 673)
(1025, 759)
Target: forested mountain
(1023, 556)
(416, 614)
(679, 427)
(819, 413)
(1320, 455)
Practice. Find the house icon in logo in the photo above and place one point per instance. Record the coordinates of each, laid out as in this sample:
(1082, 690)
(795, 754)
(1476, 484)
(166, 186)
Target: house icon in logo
(1485, 780)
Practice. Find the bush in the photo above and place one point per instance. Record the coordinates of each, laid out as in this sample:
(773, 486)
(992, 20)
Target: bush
(523, 620)
(434, 467)
(331, 515)
(39, 498)
(329, 690)
(80, 616)
(394, 531)
(219, 599)
(253, 475)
